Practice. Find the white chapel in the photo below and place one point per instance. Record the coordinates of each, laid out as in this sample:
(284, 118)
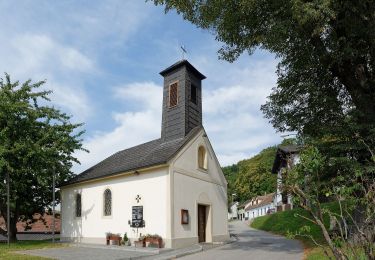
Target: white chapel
(172, 186)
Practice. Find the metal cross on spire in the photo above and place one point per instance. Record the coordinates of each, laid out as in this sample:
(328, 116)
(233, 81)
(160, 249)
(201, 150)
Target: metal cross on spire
(183, 51)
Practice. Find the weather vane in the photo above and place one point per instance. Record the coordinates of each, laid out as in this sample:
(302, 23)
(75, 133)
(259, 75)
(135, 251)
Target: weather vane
(183, 51)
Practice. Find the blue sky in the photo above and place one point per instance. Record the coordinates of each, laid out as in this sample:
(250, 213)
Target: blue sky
(102, 60)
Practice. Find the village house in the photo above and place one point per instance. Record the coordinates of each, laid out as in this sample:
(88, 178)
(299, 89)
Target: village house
(256, 207)
(42, 224)
(172, 186)
(286, 157)
(260, 206)
(233, 214)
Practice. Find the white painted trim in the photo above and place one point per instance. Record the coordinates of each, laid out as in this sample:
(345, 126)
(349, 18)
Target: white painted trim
(171, 199)
(119, 175)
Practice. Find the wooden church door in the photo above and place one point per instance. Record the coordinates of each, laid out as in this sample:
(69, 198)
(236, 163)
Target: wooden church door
(201, 223)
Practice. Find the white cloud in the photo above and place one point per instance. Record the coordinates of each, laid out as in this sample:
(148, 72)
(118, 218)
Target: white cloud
(132, 127)
(145, 94)
(39, 57)
(61, 42)
(229, 159)
(231, 108)
(38, 51)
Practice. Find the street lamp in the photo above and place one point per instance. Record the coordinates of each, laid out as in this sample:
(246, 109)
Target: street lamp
(53, 204)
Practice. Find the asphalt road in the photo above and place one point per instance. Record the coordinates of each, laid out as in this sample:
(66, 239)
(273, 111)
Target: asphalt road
(252, 244)
(249, 244)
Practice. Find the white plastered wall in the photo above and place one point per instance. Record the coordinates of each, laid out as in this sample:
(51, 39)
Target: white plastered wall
(193, 186)
(260, 211)
(92, 226)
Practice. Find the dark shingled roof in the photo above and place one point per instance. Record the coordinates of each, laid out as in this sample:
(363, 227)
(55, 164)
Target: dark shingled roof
(282, 153)
(149, 154)
(180, 64)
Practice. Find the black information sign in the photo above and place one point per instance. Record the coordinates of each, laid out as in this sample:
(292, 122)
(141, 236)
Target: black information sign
(137, 216)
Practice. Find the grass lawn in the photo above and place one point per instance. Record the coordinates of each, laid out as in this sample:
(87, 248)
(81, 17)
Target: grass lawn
(286, 222)
(8, 253)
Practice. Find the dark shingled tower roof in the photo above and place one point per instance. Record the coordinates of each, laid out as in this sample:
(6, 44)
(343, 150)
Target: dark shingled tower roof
(182, 63)
(149, 154)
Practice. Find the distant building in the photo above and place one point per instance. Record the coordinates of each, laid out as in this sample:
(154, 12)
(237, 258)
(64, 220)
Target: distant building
(286, 157)
(260, 206)
(256, 207)
(38, 224)
(233, 212)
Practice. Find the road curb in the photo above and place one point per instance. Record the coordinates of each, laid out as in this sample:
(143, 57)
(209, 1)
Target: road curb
(171, 255)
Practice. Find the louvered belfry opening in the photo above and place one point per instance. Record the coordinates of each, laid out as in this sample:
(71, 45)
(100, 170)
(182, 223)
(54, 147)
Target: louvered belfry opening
(173, 94)
(182, 100)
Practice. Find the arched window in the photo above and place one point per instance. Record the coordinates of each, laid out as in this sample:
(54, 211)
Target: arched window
(107, 202)
(202, 158)
(78, 205)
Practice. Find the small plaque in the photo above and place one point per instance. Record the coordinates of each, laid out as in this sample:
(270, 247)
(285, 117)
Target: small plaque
(137, 216)
(184, 216)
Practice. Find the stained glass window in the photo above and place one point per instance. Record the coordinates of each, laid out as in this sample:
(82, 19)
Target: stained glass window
(107, 202)
(78, 205)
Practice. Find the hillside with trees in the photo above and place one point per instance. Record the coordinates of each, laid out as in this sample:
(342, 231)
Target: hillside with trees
(251, 177)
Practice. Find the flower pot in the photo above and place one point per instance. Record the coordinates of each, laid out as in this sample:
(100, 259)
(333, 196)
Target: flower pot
(139, 243)
(154, 242)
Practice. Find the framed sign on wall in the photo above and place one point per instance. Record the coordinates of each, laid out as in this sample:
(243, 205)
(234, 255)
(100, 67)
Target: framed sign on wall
(184, 216)
(137, 216)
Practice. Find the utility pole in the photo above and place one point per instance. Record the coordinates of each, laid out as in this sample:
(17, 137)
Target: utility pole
(53, 205)
(8, 207)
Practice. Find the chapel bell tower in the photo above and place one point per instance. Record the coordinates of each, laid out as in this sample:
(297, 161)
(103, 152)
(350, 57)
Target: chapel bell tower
(182, 100)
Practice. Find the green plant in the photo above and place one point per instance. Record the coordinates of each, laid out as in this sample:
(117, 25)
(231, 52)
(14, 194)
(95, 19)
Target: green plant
(126, 237)
(350, 233)
(37, 143)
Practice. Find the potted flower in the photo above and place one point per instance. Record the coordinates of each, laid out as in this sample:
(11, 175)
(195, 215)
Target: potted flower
(153, 240)
(140, 242)
(126, 239)
(113, 237)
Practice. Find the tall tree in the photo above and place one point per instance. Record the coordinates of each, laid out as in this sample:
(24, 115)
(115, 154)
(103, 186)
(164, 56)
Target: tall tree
(326, 50)
(36, 141)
